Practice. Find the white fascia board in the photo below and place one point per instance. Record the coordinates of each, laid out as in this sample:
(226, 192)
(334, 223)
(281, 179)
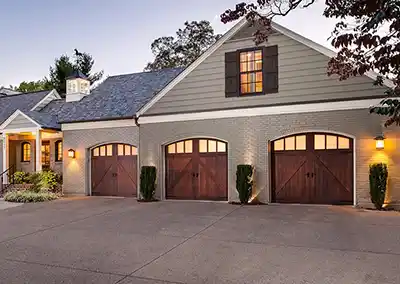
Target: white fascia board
(260, 111)
(52, 93)
(98, 124)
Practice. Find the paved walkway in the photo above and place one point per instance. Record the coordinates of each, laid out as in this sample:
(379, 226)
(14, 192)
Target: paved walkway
(6, 205)
(100, 240)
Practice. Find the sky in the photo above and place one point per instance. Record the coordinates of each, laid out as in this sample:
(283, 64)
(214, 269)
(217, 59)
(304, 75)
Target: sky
(117, 33)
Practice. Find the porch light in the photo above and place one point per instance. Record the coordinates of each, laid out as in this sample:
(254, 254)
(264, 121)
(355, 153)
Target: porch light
(71, 153)
(380, 142)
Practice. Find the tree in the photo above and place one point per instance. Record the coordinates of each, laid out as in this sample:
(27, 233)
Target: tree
(183, 49)
(64, 66)
(367, 36)
(33, 86)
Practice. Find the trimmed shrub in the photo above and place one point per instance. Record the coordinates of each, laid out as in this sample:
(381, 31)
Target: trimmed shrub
(48, 180)
(21, 177)
(244, 182)
(27, 196)
(378, 174)
(148, 177)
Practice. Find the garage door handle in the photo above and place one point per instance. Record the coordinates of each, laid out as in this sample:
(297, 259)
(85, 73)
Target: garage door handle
(308, 175)
(114, 174)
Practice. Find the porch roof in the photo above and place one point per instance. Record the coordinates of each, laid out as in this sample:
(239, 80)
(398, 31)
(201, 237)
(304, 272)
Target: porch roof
(30, 119)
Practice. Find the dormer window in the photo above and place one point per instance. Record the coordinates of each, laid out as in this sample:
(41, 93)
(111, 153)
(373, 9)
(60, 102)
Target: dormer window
(251, 72)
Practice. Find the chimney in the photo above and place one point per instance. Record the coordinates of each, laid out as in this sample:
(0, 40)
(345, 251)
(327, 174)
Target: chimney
(78, 86)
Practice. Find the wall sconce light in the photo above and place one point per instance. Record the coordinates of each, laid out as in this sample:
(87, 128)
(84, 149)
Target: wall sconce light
(380, 142)
(71, 153)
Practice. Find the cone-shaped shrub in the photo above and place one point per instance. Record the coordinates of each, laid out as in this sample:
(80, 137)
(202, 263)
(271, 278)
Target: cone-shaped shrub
(378, 175)
(148, 177)
(244, 182)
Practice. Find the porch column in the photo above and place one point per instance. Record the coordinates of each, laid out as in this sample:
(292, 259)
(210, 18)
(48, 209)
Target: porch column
(38, 156)
(5, 156)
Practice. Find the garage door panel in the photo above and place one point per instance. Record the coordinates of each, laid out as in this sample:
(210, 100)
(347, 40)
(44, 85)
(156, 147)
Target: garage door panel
(180, 177)
(286, 166)
(212, 177)
(103, 181)
(127, 176)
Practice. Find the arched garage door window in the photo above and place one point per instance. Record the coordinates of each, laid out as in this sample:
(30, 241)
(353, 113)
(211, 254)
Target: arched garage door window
(197, 169)
(312, 168)
(114, 170)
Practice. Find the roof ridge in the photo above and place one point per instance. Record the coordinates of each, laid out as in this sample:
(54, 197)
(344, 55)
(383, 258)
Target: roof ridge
(28, 93)
(147, 72)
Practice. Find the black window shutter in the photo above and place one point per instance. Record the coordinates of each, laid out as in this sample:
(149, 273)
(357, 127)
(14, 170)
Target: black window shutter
(231, 74)
(270, 69)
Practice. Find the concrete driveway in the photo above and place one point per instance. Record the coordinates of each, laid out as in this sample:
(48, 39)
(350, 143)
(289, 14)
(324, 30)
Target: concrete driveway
(100, 240)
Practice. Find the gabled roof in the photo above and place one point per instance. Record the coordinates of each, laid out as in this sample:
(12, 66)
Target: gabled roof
(8, 92)
(116, 98)
(24, 102)
(41, 120)
(236, 28)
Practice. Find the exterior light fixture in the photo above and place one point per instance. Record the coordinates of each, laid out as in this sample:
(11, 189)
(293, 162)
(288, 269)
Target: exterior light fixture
(380, 142)
(71, 153)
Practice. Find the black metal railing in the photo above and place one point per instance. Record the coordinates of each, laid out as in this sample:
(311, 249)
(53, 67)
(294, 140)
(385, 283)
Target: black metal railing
(7, 175)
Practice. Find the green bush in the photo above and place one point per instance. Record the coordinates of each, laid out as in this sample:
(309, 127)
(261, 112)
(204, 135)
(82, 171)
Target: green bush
(378, 174)
(48, 180)
(244, 182)
(21, 177)
(27, 196)
(148, 177)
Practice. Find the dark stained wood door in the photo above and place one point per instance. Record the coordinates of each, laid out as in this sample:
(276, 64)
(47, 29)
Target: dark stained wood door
(312, 168)
(114, 170)
(197, 169)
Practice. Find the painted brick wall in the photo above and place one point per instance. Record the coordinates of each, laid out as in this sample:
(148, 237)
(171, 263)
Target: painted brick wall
(248, 143)
(76, 171)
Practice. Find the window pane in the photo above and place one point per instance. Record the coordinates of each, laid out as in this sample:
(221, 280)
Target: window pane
(171, 149)
(319, 142)
(243, 57)
(179, 147)
(289, 143)
(203, 146)
(258, 55)
(212, 146)
(331, 142)
(259, 87)
(134, 151)
(301, 142)
(279, 145)
(252, 77)
(244, 89)
(128, 150)
(344, 143)
(188, 146)
(252, 87)
(109, 150)
(250, 56)
(120, 150)
(102, 150)
(243, 67)
(243, 78)
(250, 66)
(258, 65)
(221, 147)
(259, 77)
(96, 152)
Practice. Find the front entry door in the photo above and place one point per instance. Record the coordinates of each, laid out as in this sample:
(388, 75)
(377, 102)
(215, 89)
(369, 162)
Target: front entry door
(313, 168)
(114, 170)
(197, 169)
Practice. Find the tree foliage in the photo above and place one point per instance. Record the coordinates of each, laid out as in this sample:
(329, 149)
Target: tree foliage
(367, 36)
(33, 86)
(189, 43)
(65, 65)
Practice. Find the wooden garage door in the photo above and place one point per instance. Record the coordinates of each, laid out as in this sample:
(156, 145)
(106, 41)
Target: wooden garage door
(315, 168)
(114, 170)
(197, 169)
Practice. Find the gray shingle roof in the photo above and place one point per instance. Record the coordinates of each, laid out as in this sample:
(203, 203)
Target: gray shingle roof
(117, 97)
(23, 102)
(44, 119)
